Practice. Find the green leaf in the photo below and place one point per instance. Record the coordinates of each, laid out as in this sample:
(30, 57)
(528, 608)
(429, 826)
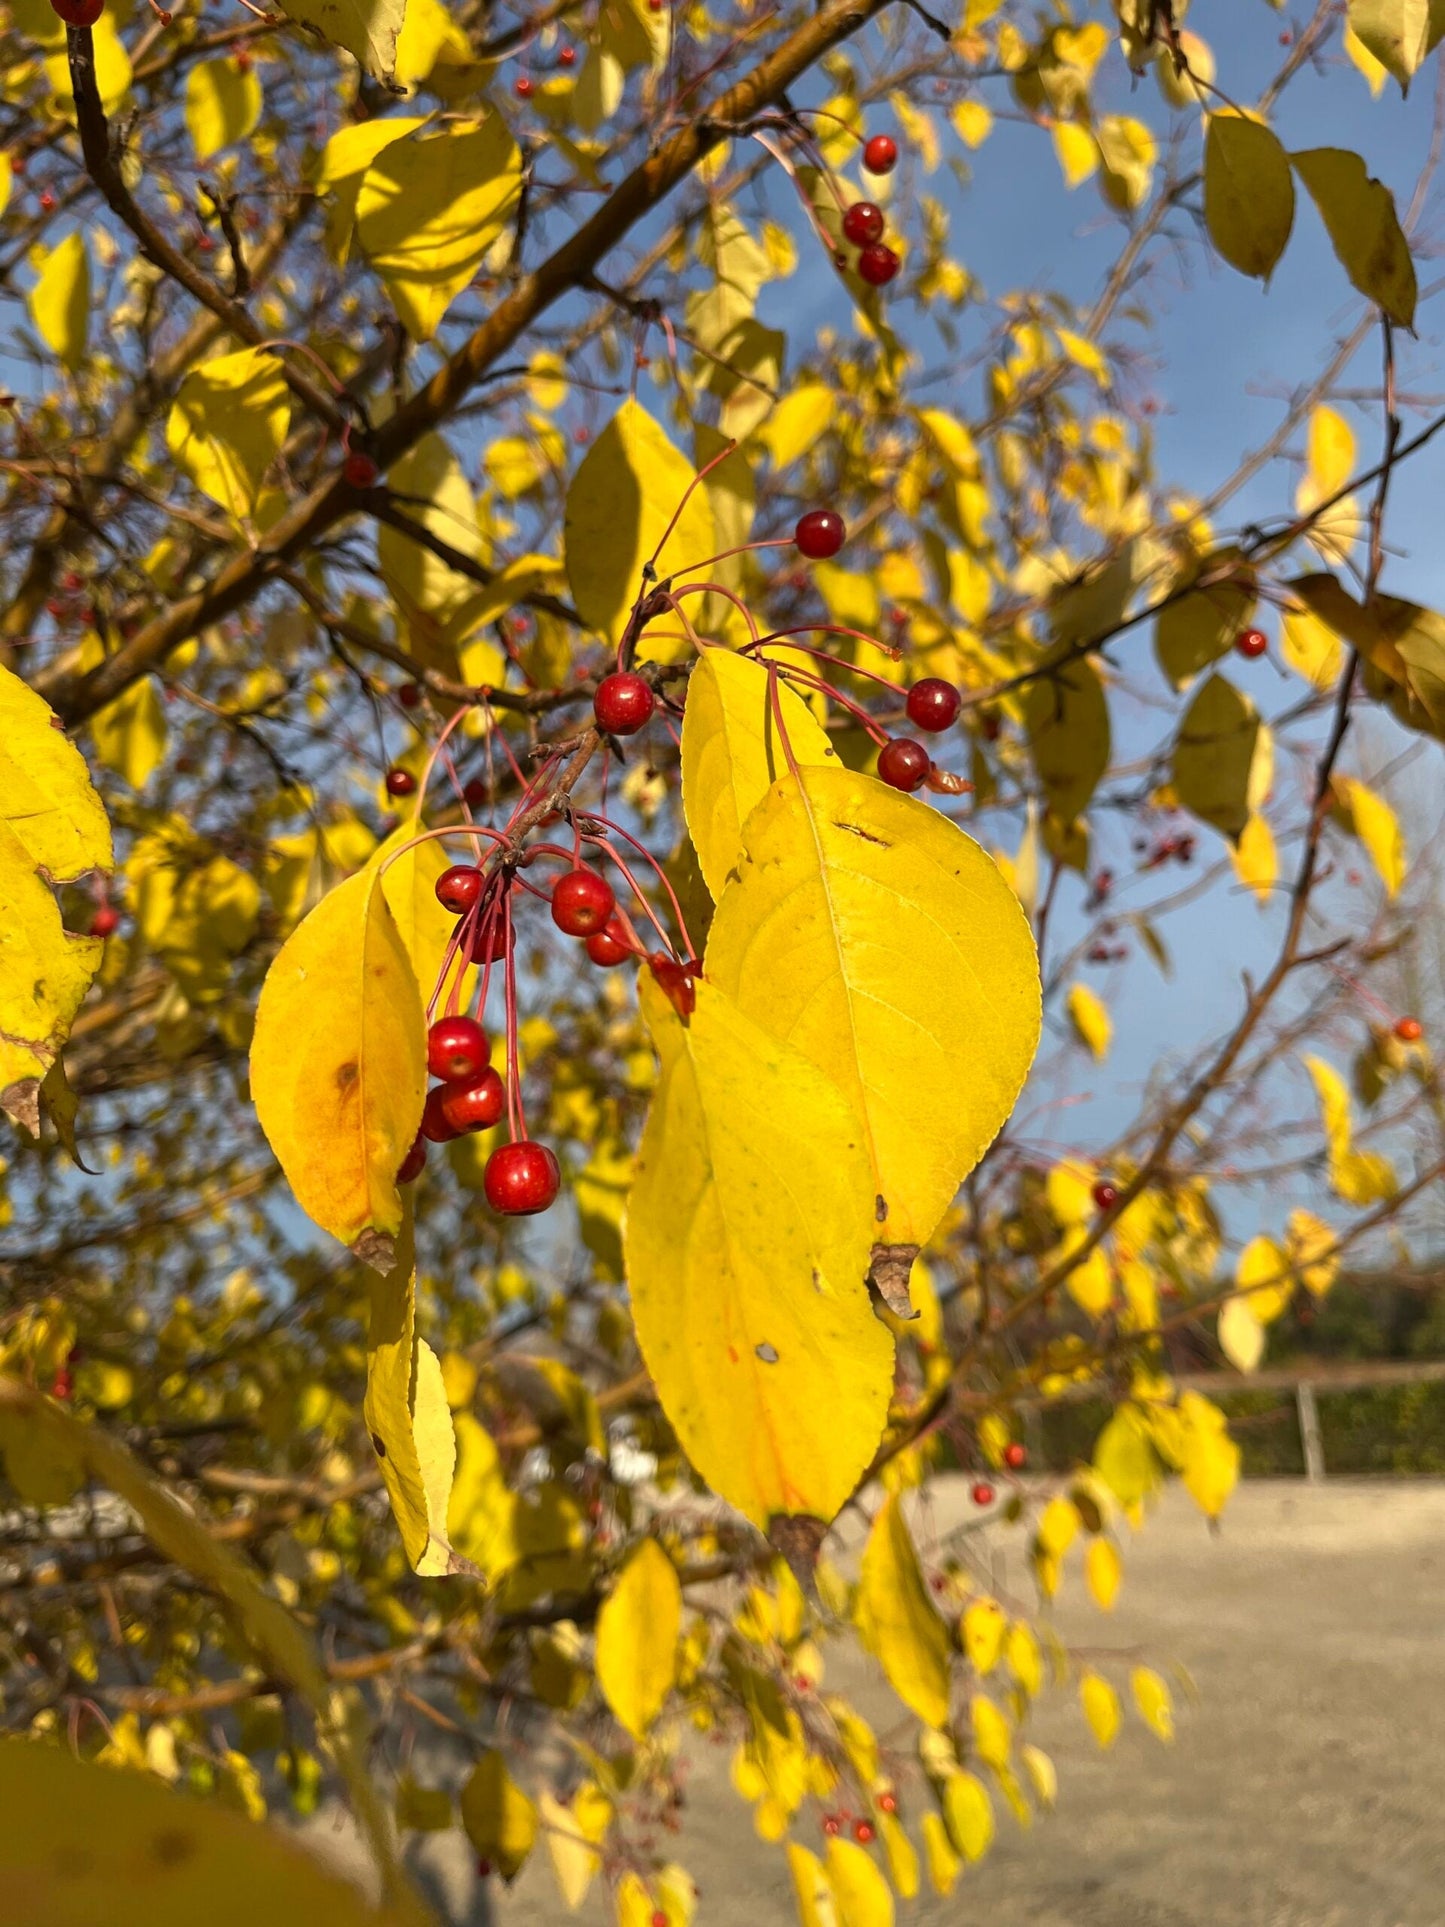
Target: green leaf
(366, 29)
(1248, 193)
(59, 302)
(1223, 758)
(429, 208)
(637, 1634)
(227, 426)
(625, 492)
(223, 104)
(1359, 213)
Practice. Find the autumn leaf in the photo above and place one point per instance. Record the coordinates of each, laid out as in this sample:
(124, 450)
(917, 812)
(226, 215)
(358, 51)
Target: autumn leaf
(637, 1634)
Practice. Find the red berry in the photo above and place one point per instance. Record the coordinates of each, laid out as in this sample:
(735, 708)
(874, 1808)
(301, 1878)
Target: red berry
(567, 56)
(933, 704)
(457, 1049)
(1252, 643)
(862, 223)
(983, 1493)
(400, 782)
(1409, 1030)
(863, 1832)
(62, 1385)
(413, 1163)
(659, 1918)
(820, 533)
(475, 793)
(475, 1105)
(359, 469)
(409, 695)
(106, 922)
(904, 764)
(888, 1803)
(582, 903)
(880, 155)
(832, 1825)
(878, 264)
(484, 1868)
(47, 202)
(623, 703)
(489, 944)
(459, 887)
(522, 86)
(521, 1179)
(1015, 1456)
(674, 980)
(435, 1126)
(1105, 1195)
(609, 945)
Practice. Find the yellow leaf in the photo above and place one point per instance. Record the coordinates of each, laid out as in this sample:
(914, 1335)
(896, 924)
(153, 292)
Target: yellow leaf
(732, 755)
(1124, 1458)
(992, 1736)
(1311, 647)
(1365, 62)
(1262, 1274)
(1256, 861)
(746, 1239)
(223, 104)
(1040, 1769)
(341, 168)
(428, 209)
(1241, 1336)
(1210, 1457)
(1024, 1658)
(89, 1843)
(860, 1892)
(1103, 1571)
(1248, 193)
(1090, 1018)
(482, 1513)
(943, 1862)
(1151, 1696)
(625, 492)
(1377, 827)
(408, 882)
(407, 1415)
(1101, 1708)
(1127, 150)
(901, 1856)
(1393, 34)
(421, 584)
(925, 1017)
(811, 1890)
(500, 1819)
(131, 733)
(968, 1814)
(798, 422)
(1067, 718)
(573, 1831)
(1359, 213)
(1202, 626)
(227, 425)
(1334, 1105)
(983, 1631)
(59, 302)
(1059, 1526)
(1331, 451)
(637, 1635)
(338, 1065)
(906, 1632)
(1223, 758)
(367, 29)
(1312, 1250)
(419, 1809)
(7, 173)
(1077, 151)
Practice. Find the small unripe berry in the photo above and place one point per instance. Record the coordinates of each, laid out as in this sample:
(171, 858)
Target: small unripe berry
(1409, 1030)
(457, 1049)
(413, 1163)
(475, 1105)
(459, 887)
(904, 764)
(609, 945)
(359, 469)
(820, 534)
(933, 704)
(521, 1179)
(878, 264)
(400, 782)
(1015, 1456)
(1105, 1195)
(105, 922)
(623, 703)
(983, 1493)
(582, 903)
(880, 155)
(863, 223)
(1252, 643)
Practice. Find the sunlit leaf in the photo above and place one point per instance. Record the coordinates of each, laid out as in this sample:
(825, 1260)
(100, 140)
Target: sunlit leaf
(637, 1634)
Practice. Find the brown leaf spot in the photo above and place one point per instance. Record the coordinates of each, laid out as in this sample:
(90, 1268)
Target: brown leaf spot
(799, 1537)
(767, 1353)
(378, 1445)
(880, 1209)
(888, 1275)
(374, 1248)
(856, 829)
(346, 1076)
(173, 1846)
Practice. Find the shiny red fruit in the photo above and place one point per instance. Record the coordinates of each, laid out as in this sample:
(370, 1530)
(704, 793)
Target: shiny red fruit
(475, 1105)
(522, 87)
(489, 944)
(933, 704)
(582, 903)
(567, 56)
(878, 264)
(888, 1803)
(62, 1385)
(623, 703)
(1105, 1195)
(359, 470)
(1015, 1456)
(880, 155)
(863, 1832)
(659, 1918)
(862, 223)
(413, 1163)
(832, 1825)
(904, 764)
(400, 782)
(79, 13)
(609, 945)
(409, 695)
(105, 922)
(475, 792)
(1252, 643)
(435, 1126)
(521, 1179)
(983, 1493)
(1409, 1030)
(457, 1048)
(674, 980)
(820, 533)
(459, 887)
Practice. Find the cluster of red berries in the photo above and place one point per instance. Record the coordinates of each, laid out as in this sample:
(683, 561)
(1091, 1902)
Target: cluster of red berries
(863, 222)
(1176, 849)
(584, 906)
(863, 1830)
(1015, 1457)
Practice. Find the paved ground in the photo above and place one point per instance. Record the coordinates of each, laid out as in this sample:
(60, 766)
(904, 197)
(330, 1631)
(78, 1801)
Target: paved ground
(1308, 1784)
